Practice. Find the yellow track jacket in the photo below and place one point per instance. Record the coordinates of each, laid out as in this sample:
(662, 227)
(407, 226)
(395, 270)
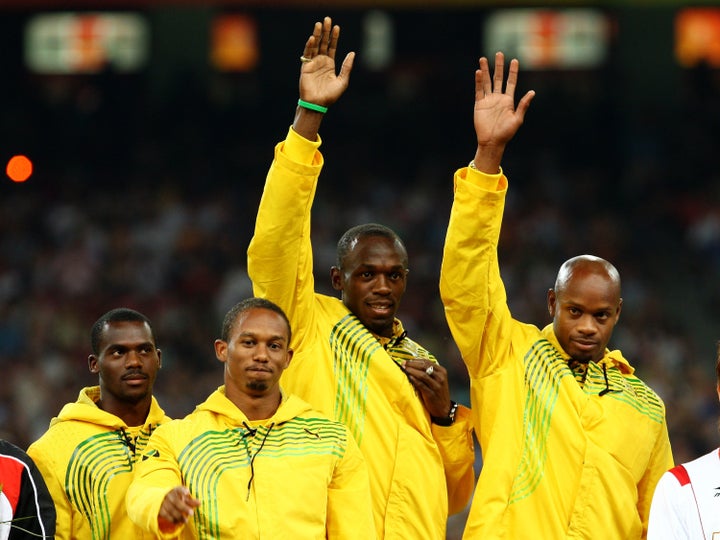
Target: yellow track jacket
(417, 470)
(297, 475)
(559, 460)
(88, 460)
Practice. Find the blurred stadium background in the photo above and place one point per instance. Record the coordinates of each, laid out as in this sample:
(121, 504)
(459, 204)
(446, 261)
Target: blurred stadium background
(150, 126)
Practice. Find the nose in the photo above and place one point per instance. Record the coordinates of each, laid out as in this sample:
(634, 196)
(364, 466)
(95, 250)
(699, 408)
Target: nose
(382, 284)
(587, 325)
(133, 359)
(261, 353)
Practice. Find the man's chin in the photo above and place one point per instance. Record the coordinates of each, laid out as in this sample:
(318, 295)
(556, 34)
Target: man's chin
(382, 326)
(257, 386)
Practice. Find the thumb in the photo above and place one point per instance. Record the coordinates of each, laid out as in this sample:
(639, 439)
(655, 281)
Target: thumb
(347, 66)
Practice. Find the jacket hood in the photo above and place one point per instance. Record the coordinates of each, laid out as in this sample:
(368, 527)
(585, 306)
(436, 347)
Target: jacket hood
(218, 403)
(85, 409)
(611, 359)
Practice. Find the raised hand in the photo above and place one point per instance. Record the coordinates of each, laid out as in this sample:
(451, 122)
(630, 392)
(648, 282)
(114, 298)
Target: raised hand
(495, 116)
(318, 82)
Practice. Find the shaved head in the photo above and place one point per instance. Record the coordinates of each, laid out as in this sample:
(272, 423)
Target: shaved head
(587, 265)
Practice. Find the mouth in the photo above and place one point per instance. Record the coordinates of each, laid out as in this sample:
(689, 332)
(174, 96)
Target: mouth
(585, 345)
(135, 378)
(381, 308)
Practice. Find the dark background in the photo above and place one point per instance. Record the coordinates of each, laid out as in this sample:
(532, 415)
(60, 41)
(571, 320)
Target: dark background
(146, 185)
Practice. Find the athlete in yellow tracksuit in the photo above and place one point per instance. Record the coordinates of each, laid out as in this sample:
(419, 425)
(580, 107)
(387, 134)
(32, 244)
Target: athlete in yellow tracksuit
(87, 458)
(560, 459)
(295, 475)
(419, 471)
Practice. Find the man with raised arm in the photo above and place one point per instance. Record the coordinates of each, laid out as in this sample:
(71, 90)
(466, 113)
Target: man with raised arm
(353, 360)
(573, 442)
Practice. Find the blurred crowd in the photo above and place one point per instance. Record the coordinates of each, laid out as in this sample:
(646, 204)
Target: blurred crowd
(150, 204)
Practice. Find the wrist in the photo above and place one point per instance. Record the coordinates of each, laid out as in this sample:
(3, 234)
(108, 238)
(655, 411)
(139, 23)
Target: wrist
(312, 106)
(448, 420)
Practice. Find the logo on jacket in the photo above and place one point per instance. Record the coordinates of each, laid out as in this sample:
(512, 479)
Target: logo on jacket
(151, 453)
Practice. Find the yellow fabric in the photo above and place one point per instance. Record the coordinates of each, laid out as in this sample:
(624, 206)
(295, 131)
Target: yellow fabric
(87, 464)
(298, 475)
(341, 369)
(559, 460)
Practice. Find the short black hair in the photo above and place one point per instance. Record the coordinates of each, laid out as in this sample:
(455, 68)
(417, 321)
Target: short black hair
(121, 314)
(365, 230)
(245, 305)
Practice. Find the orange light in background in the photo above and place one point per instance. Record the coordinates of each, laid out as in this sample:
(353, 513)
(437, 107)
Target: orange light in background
(19, 168)
(697, 37)
(234, 43)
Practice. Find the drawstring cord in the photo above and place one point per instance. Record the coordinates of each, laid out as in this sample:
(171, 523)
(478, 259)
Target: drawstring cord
(251, 432)
(127, 440)
(607, 384)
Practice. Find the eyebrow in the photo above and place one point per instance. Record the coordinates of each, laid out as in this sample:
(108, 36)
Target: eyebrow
(111, 346)
(254, 335)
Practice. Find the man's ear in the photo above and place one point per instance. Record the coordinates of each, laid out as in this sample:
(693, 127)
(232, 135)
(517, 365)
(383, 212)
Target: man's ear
(93, 364)
(290, 354)
(221, 350)
(159, 353)
(336, 278)
(551, 302)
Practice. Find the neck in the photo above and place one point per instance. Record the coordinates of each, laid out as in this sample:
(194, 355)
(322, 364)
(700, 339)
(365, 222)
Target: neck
(255, 407)
(133, 414)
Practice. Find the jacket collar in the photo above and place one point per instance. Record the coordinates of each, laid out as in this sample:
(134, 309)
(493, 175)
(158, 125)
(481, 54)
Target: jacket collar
(218, 403)
(85, 409)
(610, 359)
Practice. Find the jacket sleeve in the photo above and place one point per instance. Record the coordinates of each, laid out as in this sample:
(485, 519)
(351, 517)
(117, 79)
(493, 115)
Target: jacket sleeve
(457, 449)
(279, 257)
(34, 515)
(156, 474)
(349, 506)
(667, 518)
(661, 461)
(48, 468)
(471, 289)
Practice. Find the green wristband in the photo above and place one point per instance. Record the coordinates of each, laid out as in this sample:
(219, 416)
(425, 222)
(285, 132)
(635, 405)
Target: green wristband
(312, 106)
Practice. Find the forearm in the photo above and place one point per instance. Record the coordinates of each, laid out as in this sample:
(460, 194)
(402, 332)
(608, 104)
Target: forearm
(470, 284)
(307, 123)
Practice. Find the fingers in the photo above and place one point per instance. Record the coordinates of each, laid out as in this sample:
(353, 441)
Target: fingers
(488, 84)
(326, 35)
(178, 505)
(524, 104)
(311, 45)
(323, 40)
(512, 77)
(347, 66)
(425, 372)
(499, 70)
(332, 37)
(482, 78)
